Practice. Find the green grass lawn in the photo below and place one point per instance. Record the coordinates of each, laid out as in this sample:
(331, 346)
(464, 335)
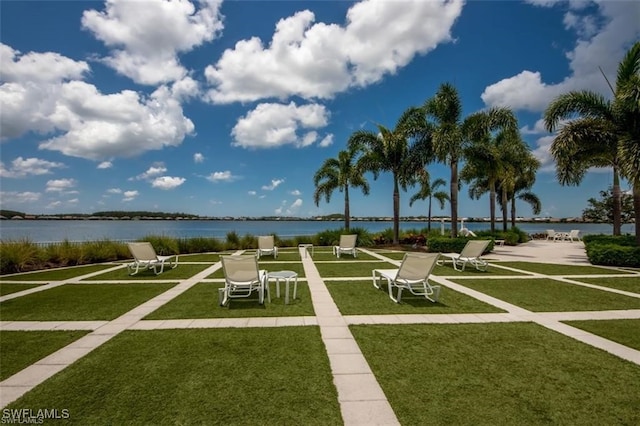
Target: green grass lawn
(325, 254)
(447, 270)
(199, 257)
(623, 331)
(490, 374)
(547, 295)
(181, 272)
(59, 274)
(201, 301)
(14, 288)
(75, 302)
(555, 269)
(19, 349)
(353, 269)
(631, 284)
(277, 376)
(362, 298)
(269, 266)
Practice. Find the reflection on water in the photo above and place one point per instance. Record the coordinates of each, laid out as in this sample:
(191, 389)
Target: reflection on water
(91, 230)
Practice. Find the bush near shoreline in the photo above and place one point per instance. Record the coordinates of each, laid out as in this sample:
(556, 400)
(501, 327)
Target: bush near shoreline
(25, 256)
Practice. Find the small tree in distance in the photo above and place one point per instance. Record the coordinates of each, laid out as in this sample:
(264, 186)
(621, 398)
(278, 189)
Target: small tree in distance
(601, 210)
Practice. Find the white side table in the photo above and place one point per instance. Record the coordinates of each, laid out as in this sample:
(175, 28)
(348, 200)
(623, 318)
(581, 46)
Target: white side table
(306, 248)
(286, 276)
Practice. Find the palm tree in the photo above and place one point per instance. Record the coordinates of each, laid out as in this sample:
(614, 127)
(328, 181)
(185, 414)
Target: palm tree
(522, 189)
(604, 134)
(428, 190)
(450, 133)
(339, 173)
(628, 105)
(390, 150)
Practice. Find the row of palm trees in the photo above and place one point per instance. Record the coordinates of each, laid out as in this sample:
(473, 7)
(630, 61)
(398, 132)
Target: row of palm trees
(605, 133)
(601, 133)
(436, 131)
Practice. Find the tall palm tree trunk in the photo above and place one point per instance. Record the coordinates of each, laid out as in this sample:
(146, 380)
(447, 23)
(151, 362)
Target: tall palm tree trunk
(636, 208)
(617, 203)
(504, 209)
(396, 210)
(347, 212)
(492, 206)
(454, 199)
(513, 212)
(429, 218)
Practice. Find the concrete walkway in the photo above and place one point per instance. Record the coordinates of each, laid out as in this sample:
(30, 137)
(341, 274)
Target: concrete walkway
(362, 400)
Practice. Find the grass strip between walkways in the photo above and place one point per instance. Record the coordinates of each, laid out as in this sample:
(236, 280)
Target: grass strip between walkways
(623, 331)
(19, 349)
(201, 301)
(362, 298)
(548, 295)
(80, 302)
(206, 376)
(507, 373)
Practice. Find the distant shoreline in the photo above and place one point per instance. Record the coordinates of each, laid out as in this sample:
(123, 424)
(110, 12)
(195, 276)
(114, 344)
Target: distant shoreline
(550, 220)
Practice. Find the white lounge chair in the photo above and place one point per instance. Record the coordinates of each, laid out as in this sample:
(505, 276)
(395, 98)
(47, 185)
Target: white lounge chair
(241, 278)
(266, 245)
(145, 257)
(470, 254)
(347, 245)
(574, 235)
(551, 234)
(413, 275)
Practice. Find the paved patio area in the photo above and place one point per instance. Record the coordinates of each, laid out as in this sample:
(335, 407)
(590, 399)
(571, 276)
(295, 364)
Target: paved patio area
(361, 398)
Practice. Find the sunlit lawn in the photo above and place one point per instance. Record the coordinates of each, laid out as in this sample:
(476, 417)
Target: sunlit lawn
(278, 376)
(19, 349)
(489, 374)
(362, 298)
(181, 272)
(75, 302)
(448, 270)
(14, 288)
(548, 295)
(201, 301)
(631, 284)
(351, 269)
(557, 269)
(325, 254)
(59, 274)
(623, 331)
(199, 257)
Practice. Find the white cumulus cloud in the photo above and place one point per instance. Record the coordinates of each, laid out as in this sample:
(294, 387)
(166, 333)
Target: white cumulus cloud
(167, 182)
(147, 36)
(318, 60)
(225, 176)
(10, 197)
(22, 167)
(271, 125)
(273, 185)
(198, 158)
(129, 196)
(105, 165)
(603, 39)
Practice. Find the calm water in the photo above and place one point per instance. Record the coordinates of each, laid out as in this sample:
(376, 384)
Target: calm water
(89, 230)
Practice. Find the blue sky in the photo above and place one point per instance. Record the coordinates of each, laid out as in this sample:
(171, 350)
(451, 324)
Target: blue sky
(227, 108)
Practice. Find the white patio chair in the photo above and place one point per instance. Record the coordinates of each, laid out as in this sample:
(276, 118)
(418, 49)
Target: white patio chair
(413, 275)
(266, 245)
(145, 257)
(347, 245)
(242, 277)
(551, 234)
(574, 235)
(470, 254)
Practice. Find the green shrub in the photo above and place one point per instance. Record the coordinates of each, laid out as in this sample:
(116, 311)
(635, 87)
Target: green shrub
(613, 254)
(163, 245)
(100, 251)
(64, 254)
(199, 245)
(621, 240)
(233, 241)
(331, 237)
(20, 256)
(452, 245)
